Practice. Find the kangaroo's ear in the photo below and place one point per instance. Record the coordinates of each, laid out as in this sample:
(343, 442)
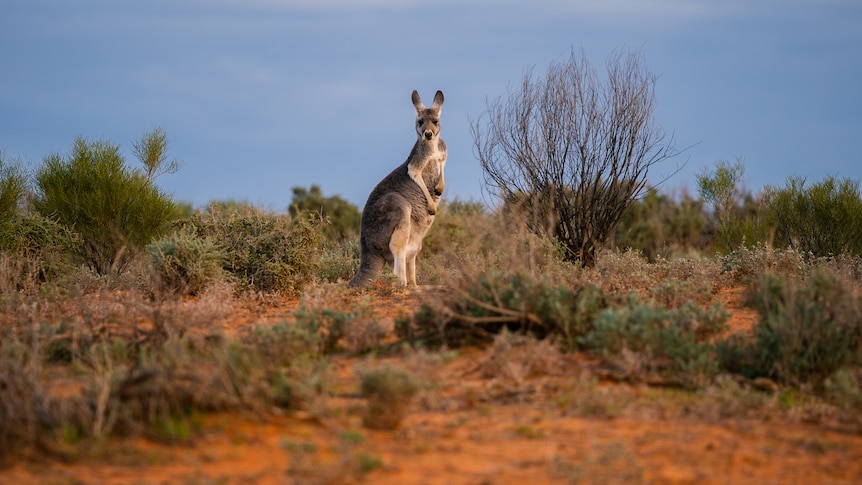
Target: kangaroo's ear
(438, 100)
(417, 102)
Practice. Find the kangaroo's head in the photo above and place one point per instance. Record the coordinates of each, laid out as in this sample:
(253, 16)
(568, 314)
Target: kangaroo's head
(428, 119)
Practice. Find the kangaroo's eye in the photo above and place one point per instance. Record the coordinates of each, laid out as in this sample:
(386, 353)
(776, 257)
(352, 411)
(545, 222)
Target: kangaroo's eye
(436, 122)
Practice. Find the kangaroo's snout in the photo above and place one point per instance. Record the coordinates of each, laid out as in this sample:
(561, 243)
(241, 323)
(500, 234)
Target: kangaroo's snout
(429, 134)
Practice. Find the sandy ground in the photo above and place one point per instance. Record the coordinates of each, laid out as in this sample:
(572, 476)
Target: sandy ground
(467, 427)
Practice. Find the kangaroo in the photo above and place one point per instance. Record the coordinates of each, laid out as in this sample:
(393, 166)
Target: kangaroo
(401, 208)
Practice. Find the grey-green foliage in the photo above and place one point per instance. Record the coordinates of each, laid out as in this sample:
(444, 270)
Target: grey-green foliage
(39, 250)
(264, 251)
(806, 331)
(677, 334)
(822, 218)
(116, 210)
(498, 300)
(185, 262)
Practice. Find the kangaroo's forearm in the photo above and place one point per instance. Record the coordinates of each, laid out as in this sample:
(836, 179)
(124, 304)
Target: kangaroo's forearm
(415, 173)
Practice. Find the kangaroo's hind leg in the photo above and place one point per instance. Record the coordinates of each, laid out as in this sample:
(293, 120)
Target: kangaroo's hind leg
(399, 244)
(411, 270)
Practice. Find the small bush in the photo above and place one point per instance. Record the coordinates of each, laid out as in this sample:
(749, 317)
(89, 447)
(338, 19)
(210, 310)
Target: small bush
(677, 336)
(668, 282)
(735, 216)
(338, 262)
(515, 357)
(282, 343)
(746, 264)
(466, 241)
(35, 250)
(389, 390)
(499, 300)
(806, 331)
(184, 262)
(327, 311)
(264, 251)
(844, 388)
(117, 211)
(25, 417)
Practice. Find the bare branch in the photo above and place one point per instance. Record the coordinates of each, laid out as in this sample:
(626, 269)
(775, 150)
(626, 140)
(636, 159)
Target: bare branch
(571, 152)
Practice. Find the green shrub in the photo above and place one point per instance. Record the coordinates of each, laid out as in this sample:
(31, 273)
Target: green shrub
(37, 250)
(264, 251)
(342, 217)
(184, 262)
(806, 331)
(658, 225)
(823, 218)
(13, 186)
(116, 210)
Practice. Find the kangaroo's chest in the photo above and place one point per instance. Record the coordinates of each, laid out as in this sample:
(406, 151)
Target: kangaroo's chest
(433, 175)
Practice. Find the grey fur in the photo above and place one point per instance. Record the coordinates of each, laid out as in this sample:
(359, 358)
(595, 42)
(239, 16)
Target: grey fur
(401, 208)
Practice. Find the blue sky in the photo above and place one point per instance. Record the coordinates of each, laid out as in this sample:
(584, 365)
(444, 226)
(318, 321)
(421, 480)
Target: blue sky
(259, 96)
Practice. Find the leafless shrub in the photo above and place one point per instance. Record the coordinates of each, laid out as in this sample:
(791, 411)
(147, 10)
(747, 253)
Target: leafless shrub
(572, 152)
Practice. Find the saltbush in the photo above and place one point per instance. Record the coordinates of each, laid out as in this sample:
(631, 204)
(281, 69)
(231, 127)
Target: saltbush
(806, 330)
(264, 251)
(35, 250)
(499, 300)
(184, 262)
(679, 335)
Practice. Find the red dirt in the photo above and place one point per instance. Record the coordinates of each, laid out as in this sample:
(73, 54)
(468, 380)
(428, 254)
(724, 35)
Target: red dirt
(471, 429)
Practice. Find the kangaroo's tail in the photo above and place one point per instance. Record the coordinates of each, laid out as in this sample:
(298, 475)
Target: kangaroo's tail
(370, 266)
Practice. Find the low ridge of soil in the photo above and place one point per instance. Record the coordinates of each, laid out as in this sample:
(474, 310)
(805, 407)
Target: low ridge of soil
(471, 426)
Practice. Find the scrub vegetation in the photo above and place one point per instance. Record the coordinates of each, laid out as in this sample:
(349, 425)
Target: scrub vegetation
(123, 315)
